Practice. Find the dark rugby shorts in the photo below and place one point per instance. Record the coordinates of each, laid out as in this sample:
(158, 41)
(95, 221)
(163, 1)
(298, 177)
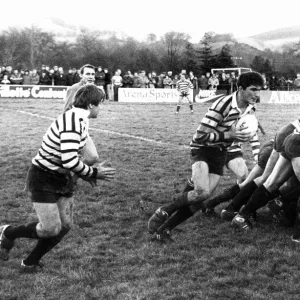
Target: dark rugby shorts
(264, 154)
(232, 156)
(291, 146)
(48, 186)
(214, 157)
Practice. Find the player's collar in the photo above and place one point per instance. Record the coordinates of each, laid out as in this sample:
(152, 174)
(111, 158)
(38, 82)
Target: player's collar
(84, 113)
(234, 104)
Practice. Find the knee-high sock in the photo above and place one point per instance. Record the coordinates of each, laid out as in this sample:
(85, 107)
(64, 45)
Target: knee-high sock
(22, 231)
(43, 246)
(259, 199)
(180, 200)
(226, 195)
(242, 197)
(177, 218)
(290, 197)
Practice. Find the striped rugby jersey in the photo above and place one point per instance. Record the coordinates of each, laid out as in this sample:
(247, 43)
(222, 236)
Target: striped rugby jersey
(63, 141)
(220, 117)
(184, 86)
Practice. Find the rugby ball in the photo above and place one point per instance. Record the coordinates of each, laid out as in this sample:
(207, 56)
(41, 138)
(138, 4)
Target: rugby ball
(249, 122)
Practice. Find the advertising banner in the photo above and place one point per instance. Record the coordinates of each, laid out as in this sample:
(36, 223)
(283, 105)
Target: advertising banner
(280, 97)
(33, 91)
(148, 95)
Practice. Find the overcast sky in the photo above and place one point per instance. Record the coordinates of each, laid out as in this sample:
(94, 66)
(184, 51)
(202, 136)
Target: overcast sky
(138, 18)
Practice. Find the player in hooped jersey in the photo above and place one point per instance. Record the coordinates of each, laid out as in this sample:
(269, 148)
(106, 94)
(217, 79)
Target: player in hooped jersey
(184, 87)
(208, 152)
(49, 179)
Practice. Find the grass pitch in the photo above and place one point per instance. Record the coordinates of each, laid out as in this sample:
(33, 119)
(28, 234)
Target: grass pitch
(109, 254)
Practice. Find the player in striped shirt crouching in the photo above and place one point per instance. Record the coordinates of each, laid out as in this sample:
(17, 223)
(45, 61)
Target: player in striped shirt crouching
(49, 179)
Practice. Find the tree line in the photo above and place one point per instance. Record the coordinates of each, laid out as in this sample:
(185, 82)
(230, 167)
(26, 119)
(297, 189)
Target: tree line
(32, 47)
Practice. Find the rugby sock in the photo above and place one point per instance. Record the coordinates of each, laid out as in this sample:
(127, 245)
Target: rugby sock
(178, 107)
(22, 231)
(290, 197)
(177, 218)
(43, 246)
(191, 106)
(189, 186)
(226, 195)
(242, 197)
(180, 200)
(260, 198)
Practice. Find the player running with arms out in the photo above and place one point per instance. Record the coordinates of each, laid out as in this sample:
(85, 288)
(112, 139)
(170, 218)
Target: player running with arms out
(184, 86)
(49, 180)
(208, 153)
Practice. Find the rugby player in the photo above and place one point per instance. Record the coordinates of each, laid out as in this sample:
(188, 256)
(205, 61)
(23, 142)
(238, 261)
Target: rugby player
(250, 186)
(89, 153)
(286, 166)
(184, 86)
(208, 152)
(49, 179)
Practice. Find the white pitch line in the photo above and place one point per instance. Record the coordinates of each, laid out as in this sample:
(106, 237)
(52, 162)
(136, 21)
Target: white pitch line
(115, 133)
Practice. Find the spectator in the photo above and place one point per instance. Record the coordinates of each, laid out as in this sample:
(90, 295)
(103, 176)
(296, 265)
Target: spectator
(144, 81)
(22, 72)
(289, 84)
(52, 76)
(34, 78)
(107, 86)
(213, 82)
(152, 81)
(70, 78)
(174, 81)
(60, 79)
(26, 78)
(297, 82)
(127, 80)
(167, 82)
(224, 84)
(116, 84)
(100, 77)
(282, 84)
(56, 72)
(233, 81)
(266, 85)
(16, 78)
(5, 79)
(44, 78)
(76, 75)
(273, 83)
(203, 82)
(160, 81)
(43, 68)
(136, 80)
(193, 80)
(8, 72)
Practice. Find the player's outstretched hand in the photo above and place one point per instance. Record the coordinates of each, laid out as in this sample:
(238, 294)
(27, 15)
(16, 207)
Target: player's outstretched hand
(105, 173)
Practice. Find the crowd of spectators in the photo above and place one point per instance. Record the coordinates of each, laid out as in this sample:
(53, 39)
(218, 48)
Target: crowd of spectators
(140, 79)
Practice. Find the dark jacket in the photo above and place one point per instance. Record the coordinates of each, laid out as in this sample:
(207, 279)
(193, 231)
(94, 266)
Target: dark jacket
(60, 79)
(100, 78)
(45, 80)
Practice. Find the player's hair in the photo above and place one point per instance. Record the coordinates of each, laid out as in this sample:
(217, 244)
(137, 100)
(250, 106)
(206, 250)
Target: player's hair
(88, 94)
(86, 66)
(250, 78)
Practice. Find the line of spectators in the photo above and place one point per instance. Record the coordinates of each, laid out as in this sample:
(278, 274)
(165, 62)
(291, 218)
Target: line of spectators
(45, 76)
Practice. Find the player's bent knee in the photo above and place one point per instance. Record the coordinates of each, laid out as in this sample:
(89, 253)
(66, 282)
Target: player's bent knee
(50, 231)
(201, 194)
